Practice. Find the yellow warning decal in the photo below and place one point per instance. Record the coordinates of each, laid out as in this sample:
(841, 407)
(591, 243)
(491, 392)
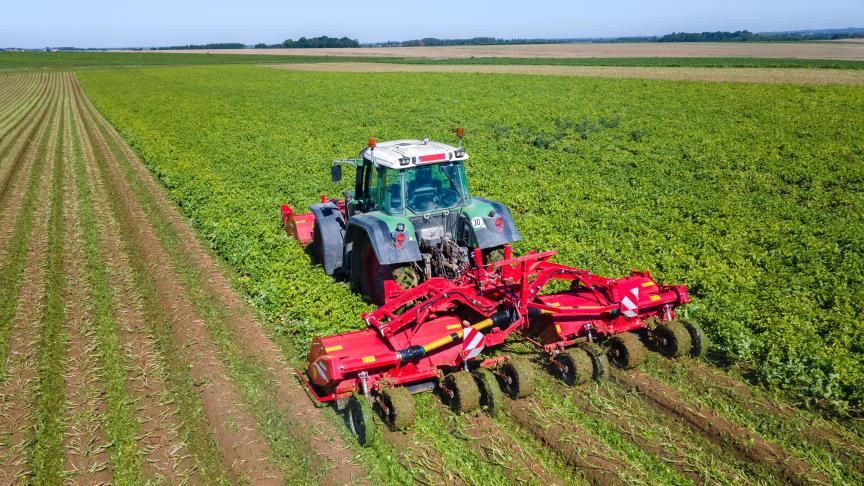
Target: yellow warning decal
(333, 348)
(298, 221)
(368, 359)
(453, 326)
(648, 284)
(654, 298)
(589, 307)
(554, 304)
(558, 328)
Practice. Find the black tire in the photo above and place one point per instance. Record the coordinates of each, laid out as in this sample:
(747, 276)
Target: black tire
(626, 351)
(461, 392)
(599, 361)
(490, 391)
(672, 339)
(517, 377)
(317, 243)
(698, 341)
(361, 421)
(357, 263)
(396, 407)
(574, 366)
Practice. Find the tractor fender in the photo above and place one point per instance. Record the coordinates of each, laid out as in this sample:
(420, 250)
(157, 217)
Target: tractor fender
(488, 236)
(382, 241)
(332, 226)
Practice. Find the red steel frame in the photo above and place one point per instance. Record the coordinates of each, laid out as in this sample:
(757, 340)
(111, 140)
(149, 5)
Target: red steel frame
(508, 292)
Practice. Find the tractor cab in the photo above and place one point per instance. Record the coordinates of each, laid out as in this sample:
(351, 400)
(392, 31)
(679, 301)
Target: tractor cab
(406, 177)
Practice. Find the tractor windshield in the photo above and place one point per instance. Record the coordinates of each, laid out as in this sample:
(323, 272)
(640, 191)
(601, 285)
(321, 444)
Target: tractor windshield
(435, 187)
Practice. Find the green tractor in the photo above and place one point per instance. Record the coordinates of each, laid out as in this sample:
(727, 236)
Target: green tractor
(410, 218)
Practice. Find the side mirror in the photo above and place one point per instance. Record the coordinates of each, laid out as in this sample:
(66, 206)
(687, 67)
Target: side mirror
(335, 173)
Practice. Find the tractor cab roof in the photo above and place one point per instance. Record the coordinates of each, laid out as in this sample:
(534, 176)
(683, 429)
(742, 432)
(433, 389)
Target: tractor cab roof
(404, 154)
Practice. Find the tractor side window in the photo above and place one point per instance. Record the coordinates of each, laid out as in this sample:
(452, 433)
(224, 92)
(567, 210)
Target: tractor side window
(391, 190)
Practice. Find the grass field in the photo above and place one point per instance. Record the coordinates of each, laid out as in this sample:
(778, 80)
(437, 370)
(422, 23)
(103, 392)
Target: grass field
(73, 60)
(141, 363)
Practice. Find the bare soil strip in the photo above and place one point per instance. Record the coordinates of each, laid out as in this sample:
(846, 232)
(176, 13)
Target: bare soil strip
(742, 441)
(781, 50)
(742, 75)
(166, 455)
(16, 428)
(243, 448)
(306, 422)
(576, 446)
(85, 443)
(817, 430)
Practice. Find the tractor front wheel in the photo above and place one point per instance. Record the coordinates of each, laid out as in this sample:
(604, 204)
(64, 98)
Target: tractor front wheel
(626, 351)
(317, 243)
(396, 406)
(361, 421)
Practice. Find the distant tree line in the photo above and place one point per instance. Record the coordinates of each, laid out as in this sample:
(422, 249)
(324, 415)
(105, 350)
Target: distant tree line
(312, 43)
(747, 36)
(220, 45)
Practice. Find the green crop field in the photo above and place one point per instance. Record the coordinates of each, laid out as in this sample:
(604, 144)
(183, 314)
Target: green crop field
(752, 195)
(78, 59)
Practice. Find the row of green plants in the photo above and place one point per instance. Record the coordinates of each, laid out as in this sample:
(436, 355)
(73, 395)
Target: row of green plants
(750, 194)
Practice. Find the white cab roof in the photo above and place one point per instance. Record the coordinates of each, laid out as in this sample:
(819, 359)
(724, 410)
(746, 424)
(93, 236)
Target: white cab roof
(402, 154)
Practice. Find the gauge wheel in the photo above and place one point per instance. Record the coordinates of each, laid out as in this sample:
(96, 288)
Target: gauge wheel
(599, 360)
(517, 376)
(396, 407)
(490, 391)
(626, 351)
(462, 392)
(574, 366)
(361, 421)
(672, 339)
(698, 341)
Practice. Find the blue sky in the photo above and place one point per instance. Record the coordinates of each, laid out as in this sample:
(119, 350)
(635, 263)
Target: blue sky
(103, 23)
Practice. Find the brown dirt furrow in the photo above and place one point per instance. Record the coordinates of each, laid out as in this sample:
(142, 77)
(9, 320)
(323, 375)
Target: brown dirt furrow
(817, 431)
(16, 431)
(244, 449)
(495, 445)
(10, 205)
(21, 138)
(422, 457)
(576, 446)
(166, 455)
(85, 442)
(743, 442)
(307, 423)
(852, 77)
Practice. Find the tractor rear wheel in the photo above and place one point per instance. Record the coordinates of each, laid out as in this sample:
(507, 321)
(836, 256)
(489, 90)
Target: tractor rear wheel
(672, 339)
(372, 274)
(626, 351)
(574, 366)
(396, 406)
(461, 392)
(698, 341)
(599, 360)
(361, 421)
(517, 376)
(490, 392)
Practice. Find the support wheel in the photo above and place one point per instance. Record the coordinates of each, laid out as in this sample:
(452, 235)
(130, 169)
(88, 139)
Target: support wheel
(574, 366)
(490, 392)
(517, 376)
(672, 339)
(396, 406)
(361, 421)
(461, 392)
(599, 361)
(626, 350)
(698, 341)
